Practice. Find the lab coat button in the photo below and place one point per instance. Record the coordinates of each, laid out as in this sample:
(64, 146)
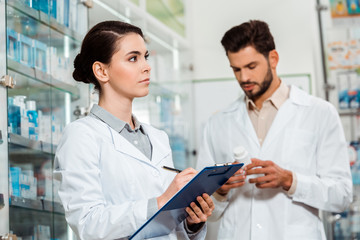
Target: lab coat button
(258, 226)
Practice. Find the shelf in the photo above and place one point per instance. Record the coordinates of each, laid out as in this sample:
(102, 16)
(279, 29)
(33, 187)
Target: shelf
(32, 144)
(20, 71)
(349, 112)
(37, 204)
(55, 207)
(45, 19)
(34, 204)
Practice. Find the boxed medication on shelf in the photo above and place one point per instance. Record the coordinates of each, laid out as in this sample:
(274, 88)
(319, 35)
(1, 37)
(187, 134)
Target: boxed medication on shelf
(41, 232)
(60, 12)
(53, 8)
(66, 12)
(19, 101)
(12, 44)
(42, 5)
(28, 185)
(26, 53)
(73, 15)
(13, 117)
(32, 114)
(39, 52)
(14, 182)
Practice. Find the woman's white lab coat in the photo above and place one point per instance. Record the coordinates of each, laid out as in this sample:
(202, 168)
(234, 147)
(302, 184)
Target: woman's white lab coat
(306, 137)
(106, 182)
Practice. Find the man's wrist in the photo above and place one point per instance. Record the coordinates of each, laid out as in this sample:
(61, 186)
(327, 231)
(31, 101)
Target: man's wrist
(288, 180)
(220, 197)
(221, 192)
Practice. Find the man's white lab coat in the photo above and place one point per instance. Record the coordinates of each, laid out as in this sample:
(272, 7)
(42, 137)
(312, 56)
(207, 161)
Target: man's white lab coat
(306, 137)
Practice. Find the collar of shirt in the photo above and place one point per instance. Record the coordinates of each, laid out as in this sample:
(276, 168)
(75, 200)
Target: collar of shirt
(114, 122)
(276, 99)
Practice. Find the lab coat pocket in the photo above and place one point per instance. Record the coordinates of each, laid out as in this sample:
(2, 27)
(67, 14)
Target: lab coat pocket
(299, 148)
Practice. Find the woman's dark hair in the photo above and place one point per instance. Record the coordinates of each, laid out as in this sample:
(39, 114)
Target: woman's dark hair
(253, 33)
(99, 44)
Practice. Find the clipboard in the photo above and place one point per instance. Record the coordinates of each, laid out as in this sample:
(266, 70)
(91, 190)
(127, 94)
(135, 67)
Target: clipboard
(173, 212)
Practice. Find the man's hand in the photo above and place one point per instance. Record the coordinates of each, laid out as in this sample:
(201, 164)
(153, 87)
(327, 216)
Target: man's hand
(274, 176)
(237, 180)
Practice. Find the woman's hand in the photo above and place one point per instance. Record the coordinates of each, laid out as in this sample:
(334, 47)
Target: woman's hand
(179, 181)
(235, 181)
(200, 214)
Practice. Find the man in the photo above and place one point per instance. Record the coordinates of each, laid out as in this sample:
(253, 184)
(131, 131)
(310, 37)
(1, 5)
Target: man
(296, 142)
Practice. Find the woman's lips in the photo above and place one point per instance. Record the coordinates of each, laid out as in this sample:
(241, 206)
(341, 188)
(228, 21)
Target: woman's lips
(147, 80)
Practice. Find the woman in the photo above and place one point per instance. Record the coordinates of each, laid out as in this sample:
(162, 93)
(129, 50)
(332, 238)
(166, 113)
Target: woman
(108, 162)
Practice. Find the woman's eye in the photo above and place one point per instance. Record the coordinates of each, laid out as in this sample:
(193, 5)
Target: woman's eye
(133, 59)
(147, 57)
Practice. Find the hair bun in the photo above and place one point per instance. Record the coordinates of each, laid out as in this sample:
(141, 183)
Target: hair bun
(79, 73)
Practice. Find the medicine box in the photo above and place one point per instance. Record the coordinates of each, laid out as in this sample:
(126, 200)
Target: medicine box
(39, 53)
(26, 53)
(12, 44)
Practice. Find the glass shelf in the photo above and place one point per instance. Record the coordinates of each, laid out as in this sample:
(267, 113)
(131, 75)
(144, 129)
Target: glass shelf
(349, 112)
(45, 19)
(55, 207)
(19, 71)
(31, 144)
(36, 204)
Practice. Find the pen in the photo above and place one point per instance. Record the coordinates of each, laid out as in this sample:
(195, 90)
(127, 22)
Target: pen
(172, 169)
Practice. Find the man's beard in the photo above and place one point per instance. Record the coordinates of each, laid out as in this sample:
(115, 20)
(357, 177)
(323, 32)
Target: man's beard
(264, 86)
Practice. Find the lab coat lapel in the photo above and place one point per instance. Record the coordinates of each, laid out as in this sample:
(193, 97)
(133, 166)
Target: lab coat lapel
(124, 146)
(158, 141)
(246, 124)
(286, 113)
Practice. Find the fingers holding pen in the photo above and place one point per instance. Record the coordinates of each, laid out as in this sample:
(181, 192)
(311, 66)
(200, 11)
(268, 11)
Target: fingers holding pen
(178, 182)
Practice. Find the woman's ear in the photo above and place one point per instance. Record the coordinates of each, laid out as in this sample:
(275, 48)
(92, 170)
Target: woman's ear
(273, 58)
(100, 71)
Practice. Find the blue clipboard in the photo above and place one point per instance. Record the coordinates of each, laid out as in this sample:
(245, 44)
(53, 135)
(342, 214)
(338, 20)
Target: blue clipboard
(173, 212)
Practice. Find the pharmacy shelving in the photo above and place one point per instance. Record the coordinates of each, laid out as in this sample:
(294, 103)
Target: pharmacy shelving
(339, 31)
(20, 73)
(37, 46)
(43, 18)
(30, 145)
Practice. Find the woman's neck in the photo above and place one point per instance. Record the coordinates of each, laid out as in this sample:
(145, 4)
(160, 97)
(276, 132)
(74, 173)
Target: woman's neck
(120, 108)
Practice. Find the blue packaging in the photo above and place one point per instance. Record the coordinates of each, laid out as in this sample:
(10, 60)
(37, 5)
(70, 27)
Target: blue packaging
(12, 44)
(39, 53)
(14, 117)
(344, 99)
(36, 4)
(33, 120)
(66, 12)
(353, 6)
(15, 180)
(43, 6)
(53, 9)
(354, 99)
(26, 53)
